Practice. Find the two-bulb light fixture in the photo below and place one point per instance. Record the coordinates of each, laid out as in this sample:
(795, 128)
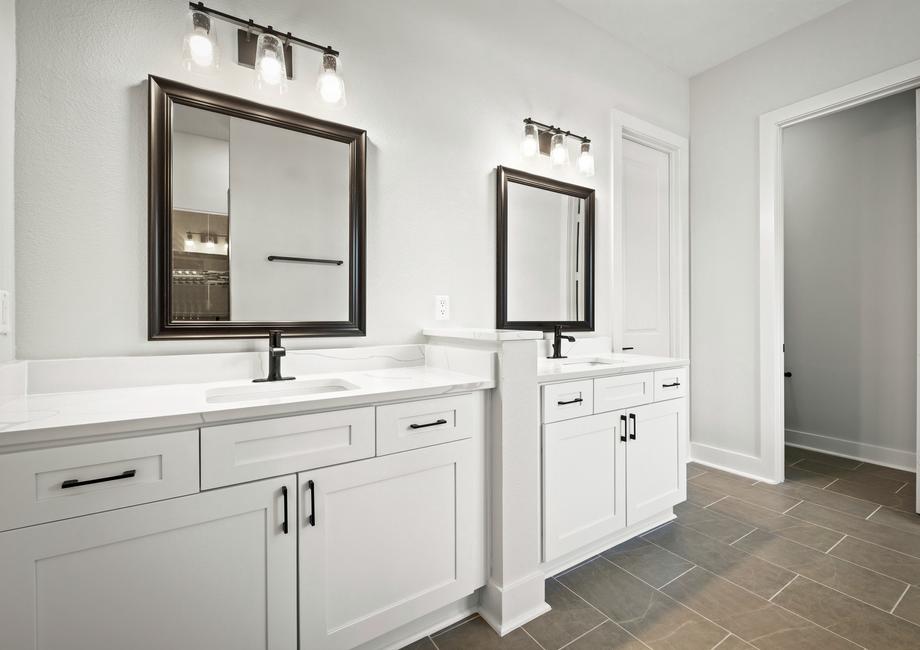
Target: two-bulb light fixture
(551, 140)
(263, 48)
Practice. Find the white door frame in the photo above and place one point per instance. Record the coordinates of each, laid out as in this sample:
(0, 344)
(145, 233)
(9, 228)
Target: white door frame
(772, 397)
(625, 126)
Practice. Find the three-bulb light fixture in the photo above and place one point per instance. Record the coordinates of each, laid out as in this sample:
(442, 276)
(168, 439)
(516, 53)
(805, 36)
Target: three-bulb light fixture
(547, 138)
(264, 48)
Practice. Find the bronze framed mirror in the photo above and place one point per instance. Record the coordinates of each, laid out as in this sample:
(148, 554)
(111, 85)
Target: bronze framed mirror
(256, 219)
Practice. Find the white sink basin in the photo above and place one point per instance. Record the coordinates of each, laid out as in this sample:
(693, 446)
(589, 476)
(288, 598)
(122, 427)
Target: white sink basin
(272, 390)
(579, 364)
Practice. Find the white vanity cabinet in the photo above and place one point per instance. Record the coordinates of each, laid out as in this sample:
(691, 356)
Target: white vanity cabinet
(387, 540)
(616, 467)
(211, 570)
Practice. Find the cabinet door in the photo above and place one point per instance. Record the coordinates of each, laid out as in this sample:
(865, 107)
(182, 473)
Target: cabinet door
(390, 539)
(584, 478)
(656, 458)
(212, 570)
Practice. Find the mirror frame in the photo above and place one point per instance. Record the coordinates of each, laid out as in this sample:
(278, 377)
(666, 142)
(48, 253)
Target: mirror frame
(162, 95)
(507, 175)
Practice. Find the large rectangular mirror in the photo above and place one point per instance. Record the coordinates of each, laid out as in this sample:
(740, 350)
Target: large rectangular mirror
(256, 219)
(545, 253)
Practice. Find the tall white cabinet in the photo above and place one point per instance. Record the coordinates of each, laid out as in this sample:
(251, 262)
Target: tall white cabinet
(618, 465)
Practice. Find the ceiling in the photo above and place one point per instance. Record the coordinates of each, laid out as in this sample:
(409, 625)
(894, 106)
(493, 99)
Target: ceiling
(690, 36)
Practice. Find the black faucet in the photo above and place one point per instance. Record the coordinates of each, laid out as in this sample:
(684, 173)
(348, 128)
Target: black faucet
(275, 352)
(557, 342)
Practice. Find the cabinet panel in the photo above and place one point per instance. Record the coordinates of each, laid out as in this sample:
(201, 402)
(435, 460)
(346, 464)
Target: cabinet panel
(235, 453)
(670, 383)
(584, 480)
(422, 423)
(391, 539)
(571, 399)
(622, 391)
(49, 484)
(656, 458)
(212, 570)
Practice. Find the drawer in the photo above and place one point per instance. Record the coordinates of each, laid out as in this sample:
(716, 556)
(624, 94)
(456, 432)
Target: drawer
(571, 399)
(49, 484)
(670, 383)
(423, 423)
(622, 391)
(236, 453)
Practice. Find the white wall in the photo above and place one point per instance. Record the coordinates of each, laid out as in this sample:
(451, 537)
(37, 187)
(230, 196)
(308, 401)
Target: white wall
(7, 100)
(859, 39)
(440, 85)
(200, 173)
(850, 227)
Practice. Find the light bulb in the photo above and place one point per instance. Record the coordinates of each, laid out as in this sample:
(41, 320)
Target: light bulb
(270, 64)
(329, 83)
(585, 160)
(559, 153)
(210, 243)
(189, 242)
(199, 48)
(530, 144)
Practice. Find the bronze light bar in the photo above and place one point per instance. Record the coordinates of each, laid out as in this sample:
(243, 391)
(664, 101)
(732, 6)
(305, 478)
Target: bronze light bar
(553, 129)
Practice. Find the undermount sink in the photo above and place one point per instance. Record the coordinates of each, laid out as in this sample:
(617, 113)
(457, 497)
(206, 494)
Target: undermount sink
(272, 390)
(577, 364)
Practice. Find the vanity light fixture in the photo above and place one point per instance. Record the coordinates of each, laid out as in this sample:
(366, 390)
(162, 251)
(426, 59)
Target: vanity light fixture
(261, 47)
(552, 141)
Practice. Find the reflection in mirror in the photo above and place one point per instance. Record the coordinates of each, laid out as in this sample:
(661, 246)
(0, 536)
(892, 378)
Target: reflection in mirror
(545, 253)
(245, 192)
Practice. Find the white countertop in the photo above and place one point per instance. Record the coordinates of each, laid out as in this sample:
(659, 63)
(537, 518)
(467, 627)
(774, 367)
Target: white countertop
(482, 334)
(601, 365)
(41, 417)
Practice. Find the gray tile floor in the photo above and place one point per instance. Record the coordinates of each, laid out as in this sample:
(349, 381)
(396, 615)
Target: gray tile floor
(829, 559)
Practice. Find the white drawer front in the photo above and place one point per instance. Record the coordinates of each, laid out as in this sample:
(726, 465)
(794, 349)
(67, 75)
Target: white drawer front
(50, 484)
(571, 399)
(236, 453)
(423, 423)
(670, 384)
(622, 391)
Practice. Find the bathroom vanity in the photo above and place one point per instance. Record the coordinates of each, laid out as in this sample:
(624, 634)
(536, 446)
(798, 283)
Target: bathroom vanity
(229, 514)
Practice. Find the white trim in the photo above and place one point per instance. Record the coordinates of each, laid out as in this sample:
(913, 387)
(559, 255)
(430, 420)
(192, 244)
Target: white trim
(772, 410)
(727, 460)
(677, 148)
(897, 458)
(507, 608)
(917, 458)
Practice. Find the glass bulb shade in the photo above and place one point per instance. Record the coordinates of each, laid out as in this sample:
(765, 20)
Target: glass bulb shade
(530, 143)
(585, 160)
(271, 70)
(329, 82)
(200, 51)
(558, 152)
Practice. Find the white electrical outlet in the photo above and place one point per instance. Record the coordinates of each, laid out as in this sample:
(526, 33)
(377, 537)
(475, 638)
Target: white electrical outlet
(4, 313)
(442, 307)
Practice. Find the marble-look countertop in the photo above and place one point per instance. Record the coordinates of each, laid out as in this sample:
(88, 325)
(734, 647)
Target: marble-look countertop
(40, 417)
(581, 366)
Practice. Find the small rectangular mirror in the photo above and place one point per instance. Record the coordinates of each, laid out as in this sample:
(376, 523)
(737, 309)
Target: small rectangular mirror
(257, 219)
(545, 253)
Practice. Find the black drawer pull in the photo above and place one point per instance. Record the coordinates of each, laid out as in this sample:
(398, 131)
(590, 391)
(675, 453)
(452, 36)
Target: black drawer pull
(577, 400)
(430, 424)
(629, 348)
(623, 427)
(72, 483)
(312, 518)
(632, 416)
(676, 383)
(284, 524)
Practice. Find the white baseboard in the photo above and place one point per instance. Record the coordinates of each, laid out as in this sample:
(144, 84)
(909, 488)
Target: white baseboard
(863, 451)
(727, 460)
(422, 627)
(507, 607)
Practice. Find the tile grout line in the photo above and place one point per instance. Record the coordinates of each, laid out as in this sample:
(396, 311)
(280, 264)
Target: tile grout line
(672, 579)
(791, 507)
(604, 622)
(770, 599)
(785, 609)
(454, 626)
(575, 566)
(827, 552)
(895, 606)
(743, 536)
(714, 502)
(902, 487)
(831, 483)
(873, 512)
(722, 641)
(436, 646)
(796, 462)
(540, 645)
(591, 605)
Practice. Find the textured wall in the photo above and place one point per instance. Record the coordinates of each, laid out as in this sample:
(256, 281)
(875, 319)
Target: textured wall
(7, 98)
(440, 86)
(860, 39)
